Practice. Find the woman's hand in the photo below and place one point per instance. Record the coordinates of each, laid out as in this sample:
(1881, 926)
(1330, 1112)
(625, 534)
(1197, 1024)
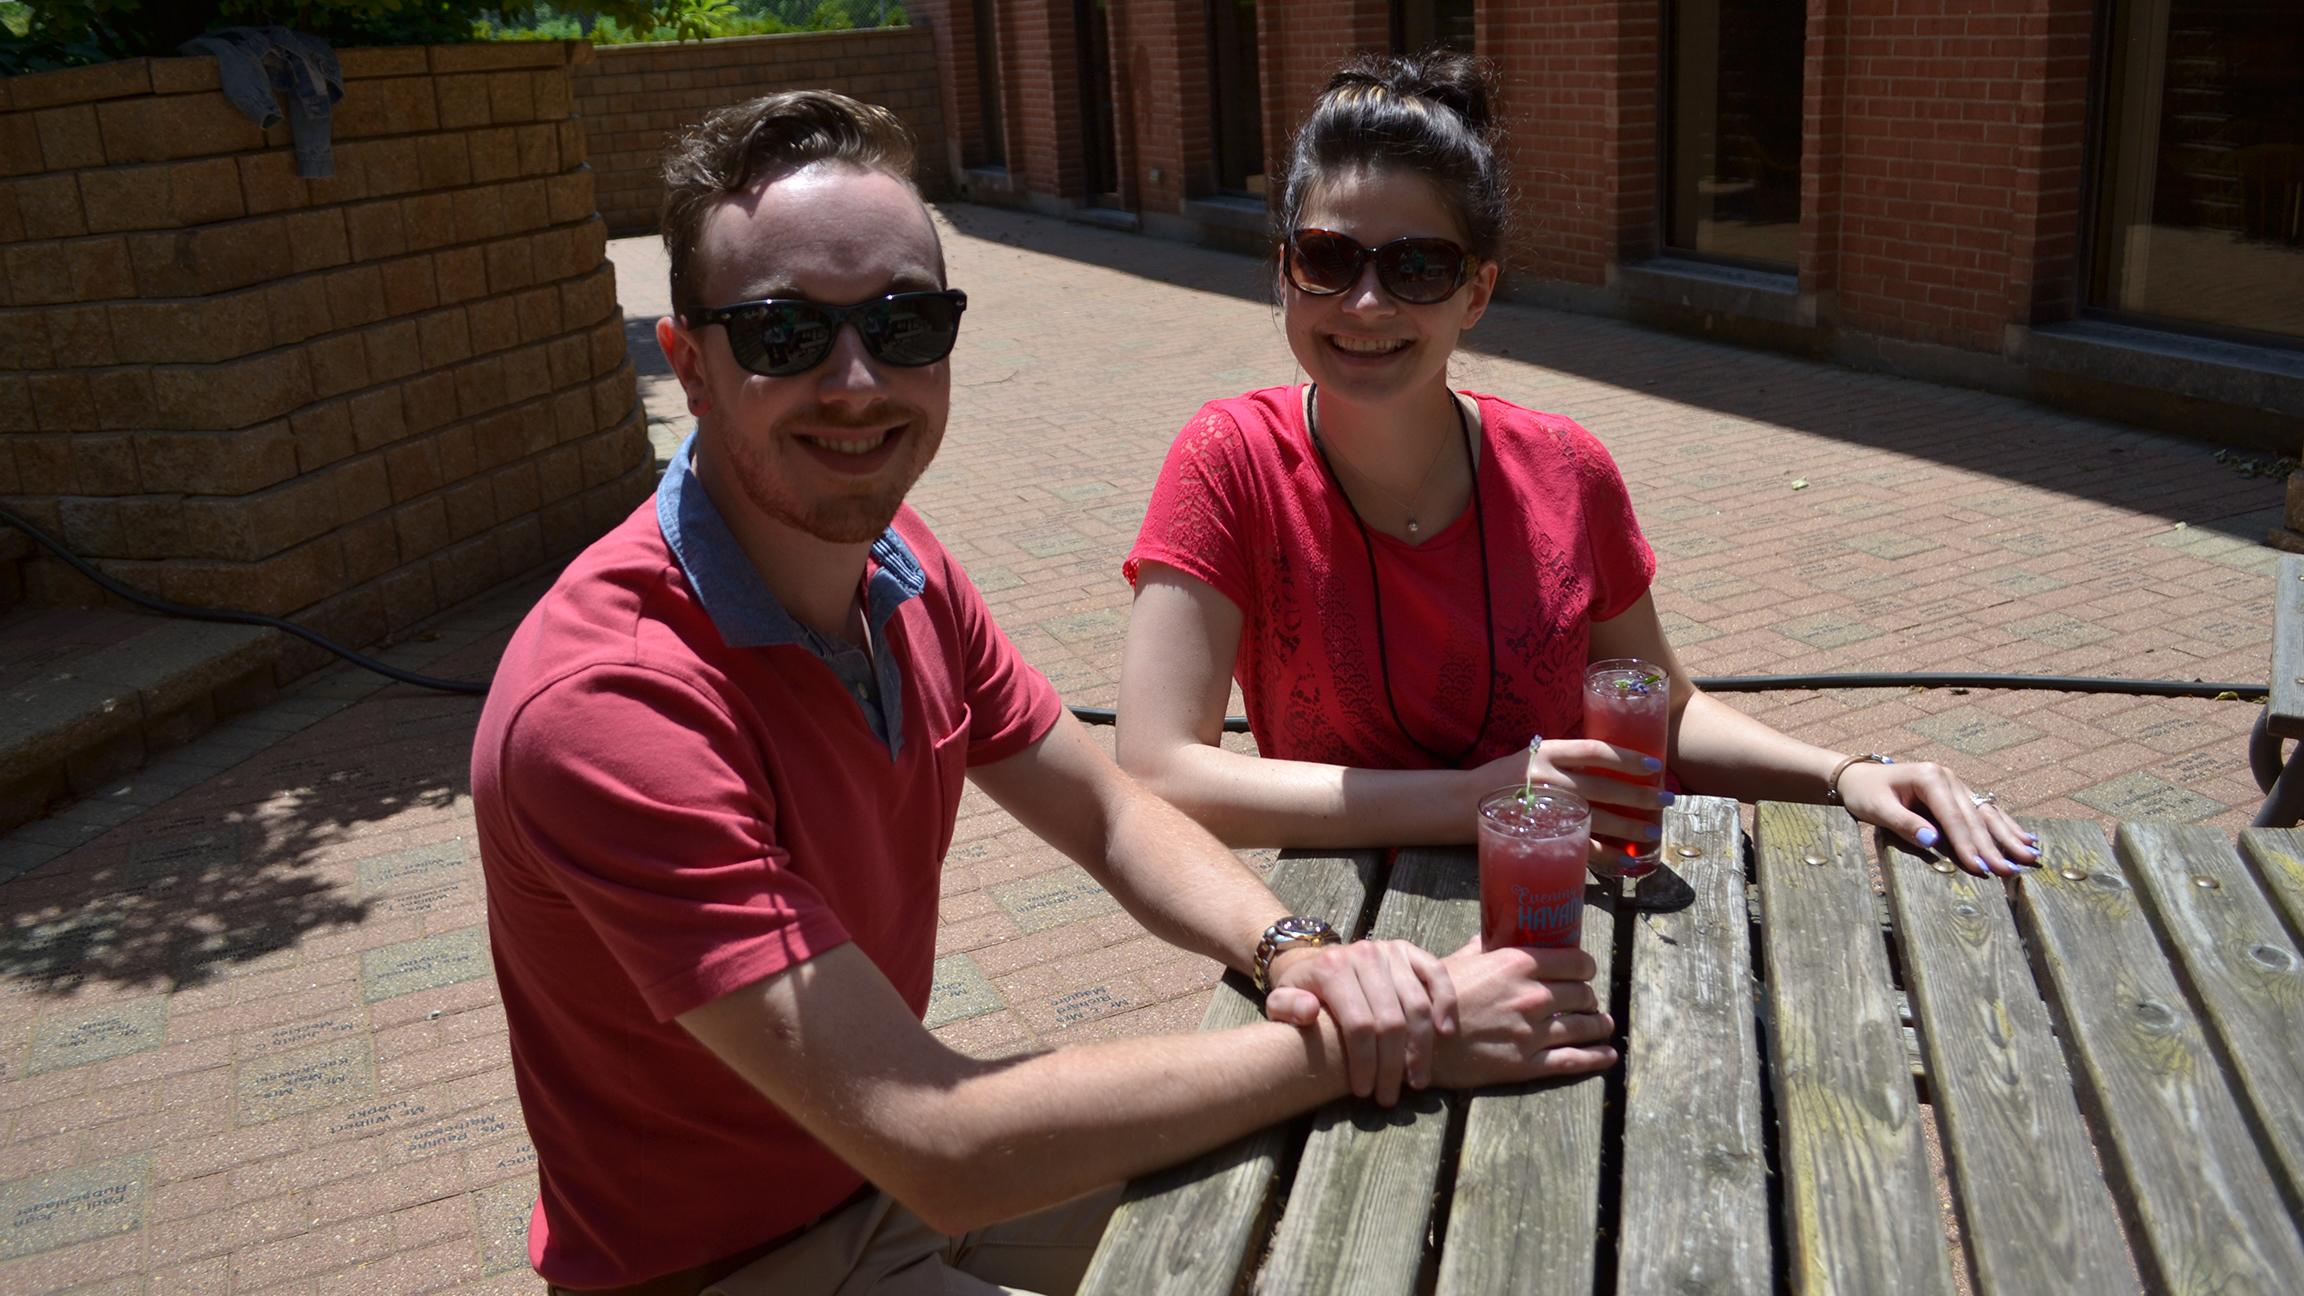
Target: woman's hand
(1903, 798)
(1577, 764)
(1391, 1000)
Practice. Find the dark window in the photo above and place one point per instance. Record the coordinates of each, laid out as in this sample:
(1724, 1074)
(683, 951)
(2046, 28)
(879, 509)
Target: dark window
(1418, 25)
(2200, 202)
(992, 143)
(1235, 102)
(1733, 130)
(1099, 155)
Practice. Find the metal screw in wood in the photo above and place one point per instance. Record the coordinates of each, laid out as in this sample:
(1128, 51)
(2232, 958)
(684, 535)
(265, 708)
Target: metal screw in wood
(1942, 866)
(1815, 859)
(2206, 883)
(2072, 875)
(1689, 852)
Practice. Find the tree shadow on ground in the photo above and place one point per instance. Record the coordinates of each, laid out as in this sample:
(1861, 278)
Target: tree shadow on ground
(2021, 442)
(349, 834)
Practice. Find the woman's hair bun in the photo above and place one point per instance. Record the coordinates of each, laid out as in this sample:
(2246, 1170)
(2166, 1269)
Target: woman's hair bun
(1458, 82)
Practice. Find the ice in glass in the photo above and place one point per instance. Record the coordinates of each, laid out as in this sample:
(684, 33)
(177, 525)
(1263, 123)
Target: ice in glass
(1532, 853)
(1628, 702)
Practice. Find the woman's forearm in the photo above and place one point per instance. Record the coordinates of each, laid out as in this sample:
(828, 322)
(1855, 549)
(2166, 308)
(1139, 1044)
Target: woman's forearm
(1258, 801)
(1720, 751)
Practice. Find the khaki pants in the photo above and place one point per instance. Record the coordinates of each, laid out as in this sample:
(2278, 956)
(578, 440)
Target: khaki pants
(877, 1247)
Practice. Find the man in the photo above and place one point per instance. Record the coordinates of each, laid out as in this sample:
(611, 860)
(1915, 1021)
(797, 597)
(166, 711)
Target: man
(719, 768)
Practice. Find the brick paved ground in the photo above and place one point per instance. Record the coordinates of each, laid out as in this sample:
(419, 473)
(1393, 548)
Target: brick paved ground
(248, 1037)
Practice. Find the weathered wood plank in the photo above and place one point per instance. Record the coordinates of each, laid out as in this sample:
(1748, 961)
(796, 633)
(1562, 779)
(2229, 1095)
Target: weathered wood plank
(1862, 1209)
(2034, 1209)
(2284, 710)
(2276, 855)
(2205, 1212)
(1360, 1209)
(1526, 1198)
(2242, 968)
(1695, 1168)
(1189, 1230)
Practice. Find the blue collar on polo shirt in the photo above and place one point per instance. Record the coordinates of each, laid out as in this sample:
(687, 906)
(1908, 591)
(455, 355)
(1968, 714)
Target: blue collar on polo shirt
(748, 615)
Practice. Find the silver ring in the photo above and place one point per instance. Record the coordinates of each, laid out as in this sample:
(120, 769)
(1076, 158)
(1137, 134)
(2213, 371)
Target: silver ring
(1984, 798)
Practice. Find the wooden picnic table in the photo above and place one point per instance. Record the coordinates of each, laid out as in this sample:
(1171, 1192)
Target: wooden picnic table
(2112, 1049)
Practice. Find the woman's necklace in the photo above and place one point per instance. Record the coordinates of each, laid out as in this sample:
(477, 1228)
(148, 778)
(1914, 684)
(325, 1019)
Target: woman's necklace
(1407, 506)
(1376, 586)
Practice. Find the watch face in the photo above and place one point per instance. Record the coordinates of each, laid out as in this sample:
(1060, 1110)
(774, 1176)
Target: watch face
(1296, 927)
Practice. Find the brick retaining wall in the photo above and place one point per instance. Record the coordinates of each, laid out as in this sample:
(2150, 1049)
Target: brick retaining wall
(353, 400)
(633, 98)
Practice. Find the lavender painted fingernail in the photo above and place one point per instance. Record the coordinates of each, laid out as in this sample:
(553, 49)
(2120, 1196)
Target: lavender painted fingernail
(1651, 764)
(1927, 837)
(1666, 798)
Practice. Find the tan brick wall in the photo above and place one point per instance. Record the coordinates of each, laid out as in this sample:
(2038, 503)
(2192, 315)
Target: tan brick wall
(632, 98)
(353, 400)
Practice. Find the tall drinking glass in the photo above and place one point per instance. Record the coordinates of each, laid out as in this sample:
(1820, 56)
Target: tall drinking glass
(1628, 702)
(1532, 852)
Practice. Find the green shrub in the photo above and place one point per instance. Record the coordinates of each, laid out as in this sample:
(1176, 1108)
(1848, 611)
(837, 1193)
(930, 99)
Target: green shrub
(57, 33)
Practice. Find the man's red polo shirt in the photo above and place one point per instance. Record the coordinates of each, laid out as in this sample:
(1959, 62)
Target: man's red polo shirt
(665, 818)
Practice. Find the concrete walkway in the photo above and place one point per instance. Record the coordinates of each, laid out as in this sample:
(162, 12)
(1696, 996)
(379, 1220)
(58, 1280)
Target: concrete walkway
(249, 1039)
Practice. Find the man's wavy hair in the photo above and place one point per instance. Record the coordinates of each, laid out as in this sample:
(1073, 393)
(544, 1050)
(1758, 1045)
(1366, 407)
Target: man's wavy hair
(762, 139)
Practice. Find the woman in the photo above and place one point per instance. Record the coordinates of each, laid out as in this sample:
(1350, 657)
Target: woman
(1408, 581)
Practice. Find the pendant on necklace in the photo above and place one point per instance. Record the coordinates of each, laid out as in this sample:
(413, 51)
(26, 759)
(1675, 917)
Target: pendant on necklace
(1412, 527)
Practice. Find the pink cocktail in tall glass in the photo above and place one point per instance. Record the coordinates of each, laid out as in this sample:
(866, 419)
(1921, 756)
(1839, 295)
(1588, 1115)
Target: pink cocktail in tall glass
(1628, 702)
(1532, 851)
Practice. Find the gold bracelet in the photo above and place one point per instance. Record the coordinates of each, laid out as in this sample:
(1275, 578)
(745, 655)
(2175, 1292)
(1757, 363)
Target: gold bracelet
(1832, 784)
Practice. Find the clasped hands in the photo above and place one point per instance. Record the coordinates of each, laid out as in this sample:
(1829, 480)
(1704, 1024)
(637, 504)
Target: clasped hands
(1410, 1019)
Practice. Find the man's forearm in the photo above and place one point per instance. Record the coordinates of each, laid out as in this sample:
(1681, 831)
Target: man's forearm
(1183, 884)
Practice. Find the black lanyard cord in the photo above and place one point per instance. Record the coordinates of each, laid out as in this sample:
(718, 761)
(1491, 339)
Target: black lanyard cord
(1376, 584)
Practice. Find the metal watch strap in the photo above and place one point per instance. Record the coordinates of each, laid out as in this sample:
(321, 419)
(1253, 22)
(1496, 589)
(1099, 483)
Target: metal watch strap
(1832, 784)
(1295, 931)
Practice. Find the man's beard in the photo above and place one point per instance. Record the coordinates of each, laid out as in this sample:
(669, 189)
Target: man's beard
(855, 516)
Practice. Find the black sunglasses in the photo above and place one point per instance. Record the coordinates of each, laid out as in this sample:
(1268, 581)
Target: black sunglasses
(1418, 271)
(783, 336)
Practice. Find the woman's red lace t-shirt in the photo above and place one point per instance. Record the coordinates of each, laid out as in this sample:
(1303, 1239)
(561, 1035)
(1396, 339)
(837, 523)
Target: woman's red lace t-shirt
(1244, 504)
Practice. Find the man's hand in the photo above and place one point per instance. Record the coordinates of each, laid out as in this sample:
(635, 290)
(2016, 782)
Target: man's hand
(1522, 1014)
(1389, 999)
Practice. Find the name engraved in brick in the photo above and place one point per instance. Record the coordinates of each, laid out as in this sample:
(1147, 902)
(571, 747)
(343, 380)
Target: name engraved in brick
(389, 872)
(67, 1207)
(461, 1131)
(368, 1118)
(1081, 1005)
(426, 964)
(425, 899)
(284, 1037)
(520, 1157)
(94, 1036)
(320, 1076)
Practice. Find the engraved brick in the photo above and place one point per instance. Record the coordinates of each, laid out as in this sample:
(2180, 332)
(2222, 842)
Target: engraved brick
(495, 154)
(219, 464)
(462, 273)
(69, 138)
(123, 398)
(429, 400)
(392, 351)
(62, 402)
(206, 190)
(298, 309)
(269, 183)
(377, 232)
(324, 433)
(317, 240)
(429, 220)
(339, 364)
(444, 337)
(444, 161)
(80, 336)
(355, 296)
(391, 167)
(511, 265)
(50, 207)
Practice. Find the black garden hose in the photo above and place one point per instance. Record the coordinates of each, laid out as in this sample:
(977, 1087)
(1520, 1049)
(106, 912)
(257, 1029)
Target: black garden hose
(1232, 724)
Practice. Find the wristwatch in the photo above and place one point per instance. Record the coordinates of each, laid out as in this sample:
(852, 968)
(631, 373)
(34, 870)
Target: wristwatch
(1293, 932)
